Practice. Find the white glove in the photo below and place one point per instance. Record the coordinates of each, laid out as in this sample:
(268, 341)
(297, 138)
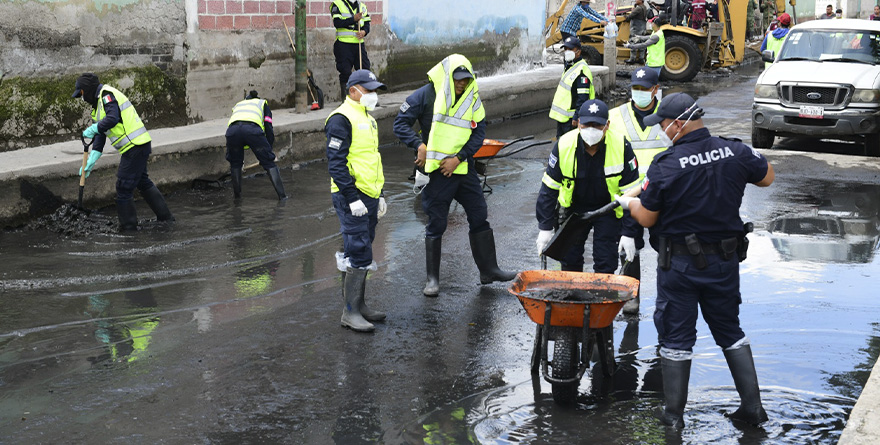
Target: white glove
(358, 208)
(626, 45)
(628, 244)
(625, 200)
(544, 237)
(383, 207)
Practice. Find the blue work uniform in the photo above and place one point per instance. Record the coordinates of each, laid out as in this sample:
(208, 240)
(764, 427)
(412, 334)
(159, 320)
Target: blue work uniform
(358, 232)
(437, 196)
(590, 193)
(132, 171)
(242, 133)
(346, 54)
(697, 186)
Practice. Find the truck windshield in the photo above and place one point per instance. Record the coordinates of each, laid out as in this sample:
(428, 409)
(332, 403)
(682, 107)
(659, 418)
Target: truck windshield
(832, 45)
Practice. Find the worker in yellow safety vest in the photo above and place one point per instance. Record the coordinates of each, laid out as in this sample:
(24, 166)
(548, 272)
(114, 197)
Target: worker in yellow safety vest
(655, 44)
(352, 22)
(115, 119)
(628, 119)
(773, 40)
(356, 184)
(250, 126)
(575, 87)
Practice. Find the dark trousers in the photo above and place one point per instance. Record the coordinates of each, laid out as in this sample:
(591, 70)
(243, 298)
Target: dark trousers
(682, 288)
(347, 59)
(606, 234)
(241, 134)
(465, 189)
(132, 172)
(563, 127)
(358, 232)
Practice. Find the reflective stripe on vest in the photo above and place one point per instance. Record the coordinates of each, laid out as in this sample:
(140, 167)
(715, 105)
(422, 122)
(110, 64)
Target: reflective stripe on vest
(645, 143)
(452, 122)
(249, 110)
(657, 51)
(561, 110)
(346, 35)
(568, 167)
(364, 160)
(130, 130)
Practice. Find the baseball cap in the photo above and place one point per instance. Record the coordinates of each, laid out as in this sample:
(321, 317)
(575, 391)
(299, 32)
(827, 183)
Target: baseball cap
(571, 42)
(593, 111)
(673, 107)
(784, 19)
(461, 73)
(644, 77)
(87, 81)
(365, 78)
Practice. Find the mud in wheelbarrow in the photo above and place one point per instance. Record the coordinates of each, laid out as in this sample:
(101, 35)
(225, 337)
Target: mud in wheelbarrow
(575, 310)
(491, 149)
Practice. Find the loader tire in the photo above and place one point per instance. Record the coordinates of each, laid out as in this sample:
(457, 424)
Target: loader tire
(591, 55)
(683, 59)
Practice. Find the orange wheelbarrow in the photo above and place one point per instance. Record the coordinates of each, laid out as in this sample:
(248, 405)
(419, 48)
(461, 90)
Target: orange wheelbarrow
(490, 150)
(574, 310)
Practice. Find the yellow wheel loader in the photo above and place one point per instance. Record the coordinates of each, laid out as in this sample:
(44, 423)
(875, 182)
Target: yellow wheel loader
(715, 45)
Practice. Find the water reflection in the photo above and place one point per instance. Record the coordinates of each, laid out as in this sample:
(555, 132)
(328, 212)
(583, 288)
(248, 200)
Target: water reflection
(844, 228)
(124, 341)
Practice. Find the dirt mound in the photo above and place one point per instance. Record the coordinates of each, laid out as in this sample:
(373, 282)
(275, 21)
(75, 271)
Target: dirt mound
(70, 221)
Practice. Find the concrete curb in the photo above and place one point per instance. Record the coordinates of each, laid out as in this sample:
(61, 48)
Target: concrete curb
(863, 426)
(35, 181)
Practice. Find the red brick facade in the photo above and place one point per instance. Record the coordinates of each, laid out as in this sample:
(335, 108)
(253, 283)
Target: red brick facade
(225, 15)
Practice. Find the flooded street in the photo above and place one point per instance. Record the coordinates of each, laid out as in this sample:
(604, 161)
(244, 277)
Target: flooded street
(224, 328)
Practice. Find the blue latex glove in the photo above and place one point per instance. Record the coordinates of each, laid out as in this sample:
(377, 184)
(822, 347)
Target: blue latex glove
(93, 157)
(91, 132)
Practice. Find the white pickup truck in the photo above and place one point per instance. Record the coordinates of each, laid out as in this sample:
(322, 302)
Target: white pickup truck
(823, 83)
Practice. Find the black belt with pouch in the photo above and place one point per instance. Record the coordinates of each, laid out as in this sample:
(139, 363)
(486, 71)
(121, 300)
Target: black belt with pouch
(726, 249)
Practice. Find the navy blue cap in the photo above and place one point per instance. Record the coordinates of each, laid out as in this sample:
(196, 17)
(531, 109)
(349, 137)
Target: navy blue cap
(461, 73)
(645, 77)
(365, 78)
(675, 106)
(571, 42)
(593, 111)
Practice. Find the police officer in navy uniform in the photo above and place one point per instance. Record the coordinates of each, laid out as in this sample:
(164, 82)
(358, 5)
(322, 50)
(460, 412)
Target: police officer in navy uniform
(356, 184)
(352, 22)
(450, 112)
(575, 87)
(691, 198)
(115, 119)
(251, 126)
(588, 166)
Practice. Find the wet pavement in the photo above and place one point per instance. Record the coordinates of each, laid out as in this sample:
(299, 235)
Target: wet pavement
(224, 328)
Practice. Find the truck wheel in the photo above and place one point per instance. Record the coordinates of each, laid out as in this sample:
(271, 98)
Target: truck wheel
(591, 55)
(683, 59)
(565, 366)
(762, 138)
(872, 144)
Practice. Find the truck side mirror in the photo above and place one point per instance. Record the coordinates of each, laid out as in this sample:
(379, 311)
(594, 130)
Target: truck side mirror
(768, 56)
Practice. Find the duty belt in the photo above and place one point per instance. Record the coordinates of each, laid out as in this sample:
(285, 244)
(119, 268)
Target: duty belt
(707, 249)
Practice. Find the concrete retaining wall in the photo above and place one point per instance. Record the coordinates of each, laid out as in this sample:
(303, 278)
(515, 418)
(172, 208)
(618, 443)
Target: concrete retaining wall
(35, 181)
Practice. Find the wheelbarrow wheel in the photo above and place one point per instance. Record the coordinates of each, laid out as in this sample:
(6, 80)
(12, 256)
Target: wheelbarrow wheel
(565, 366)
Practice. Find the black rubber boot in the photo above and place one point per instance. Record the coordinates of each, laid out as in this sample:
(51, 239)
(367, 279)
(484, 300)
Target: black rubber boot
(432, 265)
(742, 368)
(128, 220)
(275, 177)
(353, 288)
(632, 269)
(367, 313)
(157, 203)
(483, 249)
(571, 267)
(676, 374)
(236, 182)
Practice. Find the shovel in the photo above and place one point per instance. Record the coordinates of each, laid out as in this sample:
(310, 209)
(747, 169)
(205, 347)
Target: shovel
(82, 175)
(574, 226)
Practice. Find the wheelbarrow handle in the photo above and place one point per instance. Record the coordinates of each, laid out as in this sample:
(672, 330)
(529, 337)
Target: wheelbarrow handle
(526, 138)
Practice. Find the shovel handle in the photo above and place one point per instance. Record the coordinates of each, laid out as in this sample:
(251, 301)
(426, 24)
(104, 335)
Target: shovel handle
(82, 175)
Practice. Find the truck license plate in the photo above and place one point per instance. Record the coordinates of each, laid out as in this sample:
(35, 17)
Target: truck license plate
(812, 112)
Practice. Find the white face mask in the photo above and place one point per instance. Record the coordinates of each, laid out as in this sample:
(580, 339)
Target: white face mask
(665, 138)
(642, 98)
(568, 55)
(420, 182)
(591, 136)
(369, 100)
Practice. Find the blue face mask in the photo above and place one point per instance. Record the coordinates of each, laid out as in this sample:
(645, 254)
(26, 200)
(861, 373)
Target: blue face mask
(642, 98)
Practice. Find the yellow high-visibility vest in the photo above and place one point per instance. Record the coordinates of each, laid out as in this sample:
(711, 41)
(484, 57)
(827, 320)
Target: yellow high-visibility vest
(645, 143)
(130, 131)
(561, 109)
(349, 35)
(364, 160)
